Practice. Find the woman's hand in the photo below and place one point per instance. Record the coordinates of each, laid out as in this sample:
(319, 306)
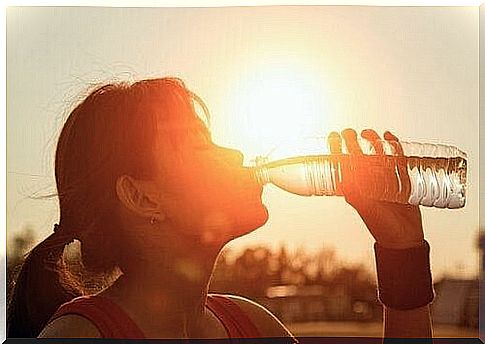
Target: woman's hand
(392, 225)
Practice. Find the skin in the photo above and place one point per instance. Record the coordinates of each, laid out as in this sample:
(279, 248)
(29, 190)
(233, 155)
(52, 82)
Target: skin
(175, 233)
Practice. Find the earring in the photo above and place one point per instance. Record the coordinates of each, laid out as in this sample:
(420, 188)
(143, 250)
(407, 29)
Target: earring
(153, 220)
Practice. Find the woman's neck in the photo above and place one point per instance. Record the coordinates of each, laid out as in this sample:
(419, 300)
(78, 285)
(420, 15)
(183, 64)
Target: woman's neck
(168, 295)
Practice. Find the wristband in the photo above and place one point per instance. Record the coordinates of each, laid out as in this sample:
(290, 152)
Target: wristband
(404, 276)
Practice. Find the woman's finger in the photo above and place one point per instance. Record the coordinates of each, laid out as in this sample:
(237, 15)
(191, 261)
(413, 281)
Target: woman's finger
(350, 137)
(401, 164)
(394, 141)
(335, 143)
(371, 136)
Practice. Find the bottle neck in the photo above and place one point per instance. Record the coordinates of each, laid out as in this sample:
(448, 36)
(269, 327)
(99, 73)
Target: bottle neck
(261, 175)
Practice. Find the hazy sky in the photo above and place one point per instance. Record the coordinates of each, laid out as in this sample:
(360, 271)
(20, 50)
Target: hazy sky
(266, 73)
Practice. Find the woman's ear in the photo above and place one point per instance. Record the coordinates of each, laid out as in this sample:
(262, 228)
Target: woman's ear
(140, 197)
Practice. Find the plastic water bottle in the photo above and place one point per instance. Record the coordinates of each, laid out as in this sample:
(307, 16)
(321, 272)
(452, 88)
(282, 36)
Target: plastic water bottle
(432, 175)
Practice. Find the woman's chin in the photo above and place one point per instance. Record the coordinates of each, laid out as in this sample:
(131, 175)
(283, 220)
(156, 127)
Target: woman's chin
(250, 220)
(222, 227)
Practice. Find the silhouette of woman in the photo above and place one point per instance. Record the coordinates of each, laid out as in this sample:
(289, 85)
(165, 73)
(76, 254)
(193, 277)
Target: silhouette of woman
(145, 191)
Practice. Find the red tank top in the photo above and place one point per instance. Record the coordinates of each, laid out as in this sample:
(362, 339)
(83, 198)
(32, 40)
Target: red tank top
(112, 322)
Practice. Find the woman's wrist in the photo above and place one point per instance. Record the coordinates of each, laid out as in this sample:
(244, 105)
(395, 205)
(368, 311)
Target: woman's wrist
(404, 276)
(401, 245)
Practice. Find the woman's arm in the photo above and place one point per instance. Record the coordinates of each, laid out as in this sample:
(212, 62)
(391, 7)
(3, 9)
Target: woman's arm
(417, 323)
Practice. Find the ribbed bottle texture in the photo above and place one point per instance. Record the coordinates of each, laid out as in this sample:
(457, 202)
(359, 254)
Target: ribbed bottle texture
(427, 174)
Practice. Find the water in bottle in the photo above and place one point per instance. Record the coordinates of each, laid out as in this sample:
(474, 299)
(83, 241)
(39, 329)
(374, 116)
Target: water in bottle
(427, 174)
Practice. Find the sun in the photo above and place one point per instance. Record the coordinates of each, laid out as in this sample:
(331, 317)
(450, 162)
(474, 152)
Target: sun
(273, 102)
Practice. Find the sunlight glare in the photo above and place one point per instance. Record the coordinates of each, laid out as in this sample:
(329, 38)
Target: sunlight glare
(276, 102)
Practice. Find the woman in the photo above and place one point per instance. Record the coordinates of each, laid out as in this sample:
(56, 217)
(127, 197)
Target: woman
(145, 190)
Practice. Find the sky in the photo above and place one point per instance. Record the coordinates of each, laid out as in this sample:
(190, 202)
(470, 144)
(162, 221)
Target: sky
(267, 74)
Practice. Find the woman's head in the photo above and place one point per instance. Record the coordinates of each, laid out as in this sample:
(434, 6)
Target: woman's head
(131, 155)
(134, 166)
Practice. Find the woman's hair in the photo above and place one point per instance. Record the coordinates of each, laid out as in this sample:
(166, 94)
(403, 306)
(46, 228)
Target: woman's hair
(114, 131)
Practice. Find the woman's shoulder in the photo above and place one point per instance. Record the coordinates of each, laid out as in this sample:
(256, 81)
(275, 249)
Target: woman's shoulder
(72, 320)
(266, 322)
(70, 326)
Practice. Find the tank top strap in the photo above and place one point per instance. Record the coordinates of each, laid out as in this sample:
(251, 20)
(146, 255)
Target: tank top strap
(110, 320)
(236, 322)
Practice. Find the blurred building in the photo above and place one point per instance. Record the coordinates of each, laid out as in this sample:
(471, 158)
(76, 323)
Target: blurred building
(317, 302)
(456, 302)
(481, 245)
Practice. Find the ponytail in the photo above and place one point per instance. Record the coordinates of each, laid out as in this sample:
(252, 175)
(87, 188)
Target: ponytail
(40, 288)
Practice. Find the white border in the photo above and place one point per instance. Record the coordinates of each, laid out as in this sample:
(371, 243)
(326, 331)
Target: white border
(222, 3)
(146, 3)
(3, 183)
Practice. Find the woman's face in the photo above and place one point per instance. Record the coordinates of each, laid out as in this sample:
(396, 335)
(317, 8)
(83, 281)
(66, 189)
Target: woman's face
(211, 196)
